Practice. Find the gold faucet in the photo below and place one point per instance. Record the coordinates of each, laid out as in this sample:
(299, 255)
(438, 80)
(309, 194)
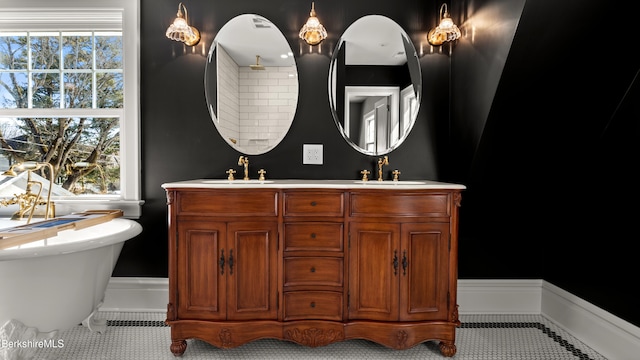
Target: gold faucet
(262, 172)
(382, 161)
(28, 201)
(243, 160)
(395, 173)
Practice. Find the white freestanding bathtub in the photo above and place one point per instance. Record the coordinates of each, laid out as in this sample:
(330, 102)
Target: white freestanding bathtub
(56, 283)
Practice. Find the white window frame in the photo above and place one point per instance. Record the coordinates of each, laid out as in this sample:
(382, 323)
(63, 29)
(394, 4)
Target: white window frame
(71, 15)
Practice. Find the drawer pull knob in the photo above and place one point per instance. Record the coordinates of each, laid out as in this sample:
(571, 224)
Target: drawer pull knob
(313, 304)
(313, 269)
(313, 235)
(313, 203)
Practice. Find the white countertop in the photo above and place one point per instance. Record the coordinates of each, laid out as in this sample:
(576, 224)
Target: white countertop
(301, 184)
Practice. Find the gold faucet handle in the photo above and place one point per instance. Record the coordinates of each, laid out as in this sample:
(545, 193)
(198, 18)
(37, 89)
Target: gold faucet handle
(230, 172)
(261, 172)
(395, 173)
(364, 175)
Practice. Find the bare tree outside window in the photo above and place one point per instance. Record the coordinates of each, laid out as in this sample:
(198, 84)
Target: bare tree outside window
(42, 71)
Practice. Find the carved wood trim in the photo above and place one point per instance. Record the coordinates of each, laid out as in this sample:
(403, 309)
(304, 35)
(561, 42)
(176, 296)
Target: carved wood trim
(457, 199)
(401, 337)
(171, 312)
(314, 337)
(225, 338)
(454, 315)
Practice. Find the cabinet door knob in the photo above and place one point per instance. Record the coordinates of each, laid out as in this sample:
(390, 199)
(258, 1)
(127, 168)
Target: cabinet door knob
(313, 269)
(405, 262)
(313, 304)
(313, 235)
(230, 262)
(221, 262)
(395, 262)
(313, 203)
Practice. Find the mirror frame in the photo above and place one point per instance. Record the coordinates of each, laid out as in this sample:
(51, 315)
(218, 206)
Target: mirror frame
(240, 40)
(338, 97)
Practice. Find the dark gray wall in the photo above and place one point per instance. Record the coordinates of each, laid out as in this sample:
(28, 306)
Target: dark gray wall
(550, 164)
(540, 130)
(180, 142)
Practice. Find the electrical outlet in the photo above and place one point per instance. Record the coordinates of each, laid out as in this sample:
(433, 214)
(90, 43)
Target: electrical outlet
(312, 154)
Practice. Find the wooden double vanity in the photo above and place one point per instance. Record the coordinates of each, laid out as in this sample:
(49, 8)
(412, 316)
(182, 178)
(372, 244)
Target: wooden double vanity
(313, 262)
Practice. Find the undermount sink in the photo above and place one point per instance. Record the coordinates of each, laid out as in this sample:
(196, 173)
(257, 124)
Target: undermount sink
(237, 181)
(389, 182)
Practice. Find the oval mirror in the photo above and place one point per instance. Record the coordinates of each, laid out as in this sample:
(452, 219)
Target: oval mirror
(251, 84)
(375, 85)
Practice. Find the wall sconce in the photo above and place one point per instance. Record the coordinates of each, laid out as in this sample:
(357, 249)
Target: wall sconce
(180, 29)
(445, 31)
(313, 32)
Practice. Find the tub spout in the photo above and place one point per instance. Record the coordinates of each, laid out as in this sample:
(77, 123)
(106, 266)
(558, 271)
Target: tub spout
(28, 201)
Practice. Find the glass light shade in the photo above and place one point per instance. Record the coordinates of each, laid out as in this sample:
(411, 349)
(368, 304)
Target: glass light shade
(313, 32)
(181, 31)
(445, 31)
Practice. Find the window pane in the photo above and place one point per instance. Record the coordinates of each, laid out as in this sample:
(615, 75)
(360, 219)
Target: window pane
(45, 52)
(13, 90)
(55, 67)
(46, 90)
(77, 90)
(109, 89)
(77, 52)
(108, 52)
(85, 152)
(13, 52)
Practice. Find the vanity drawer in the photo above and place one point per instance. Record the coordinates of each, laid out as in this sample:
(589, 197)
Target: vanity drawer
(307, 305)
(228, 203)
(313, 236)
(400, 204)
(326, 203)
(313, 271)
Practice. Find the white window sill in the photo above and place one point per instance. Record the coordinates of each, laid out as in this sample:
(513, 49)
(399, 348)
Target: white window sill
(132, 208)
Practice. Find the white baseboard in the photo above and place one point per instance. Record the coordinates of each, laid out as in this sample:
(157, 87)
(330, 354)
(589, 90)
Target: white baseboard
(609, 335)
(499, 296)
(136, 294)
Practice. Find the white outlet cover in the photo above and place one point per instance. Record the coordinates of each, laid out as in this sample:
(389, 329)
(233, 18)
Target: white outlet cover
(312, 154)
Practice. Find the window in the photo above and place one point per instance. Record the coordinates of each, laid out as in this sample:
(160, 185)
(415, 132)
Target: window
(69, 98)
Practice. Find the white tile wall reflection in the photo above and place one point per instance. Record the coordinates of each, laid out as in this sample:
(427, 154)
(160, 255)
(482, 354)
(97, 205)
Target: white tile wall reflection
(255, 107)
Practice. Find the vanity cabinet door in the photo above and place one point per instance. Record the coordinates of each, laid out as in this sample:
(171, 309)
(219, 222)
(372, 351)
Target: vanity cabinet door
(252, 270)
(399, 272)
(201, 285)
(374, 271)
(424, 274)
(227, 271)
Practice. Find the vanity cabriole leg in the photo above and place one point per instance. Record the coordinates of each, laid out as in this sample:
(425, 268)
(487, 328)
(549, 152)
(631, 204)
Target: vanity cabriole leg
(447, 348)
(178, 347)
